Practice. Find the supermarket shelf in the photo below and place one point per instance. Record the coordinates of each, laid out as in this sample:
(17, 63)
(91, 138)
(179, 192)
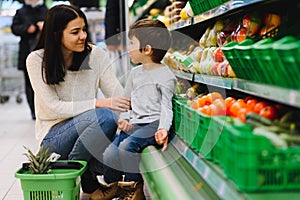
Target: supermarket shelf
(219, 12)
(218, 81)
(283, 95)
(184, 75)
(279, 94)
(188, 176)
(221, 186)
(168, 171)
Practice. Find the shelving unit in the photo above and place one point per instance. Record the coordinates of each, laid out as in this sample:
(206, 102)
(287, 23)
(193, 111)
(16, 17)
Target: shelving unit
(185, 173)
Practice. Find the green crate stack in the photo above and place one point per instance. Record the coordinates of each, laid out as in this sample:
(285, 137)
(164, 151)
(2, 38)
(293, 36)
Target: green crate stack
(254, 164)
(201, 6)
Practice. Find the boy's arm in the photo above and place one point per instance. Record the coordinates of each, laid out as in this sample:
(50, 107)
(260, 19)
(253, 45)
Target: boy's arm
(168, 89)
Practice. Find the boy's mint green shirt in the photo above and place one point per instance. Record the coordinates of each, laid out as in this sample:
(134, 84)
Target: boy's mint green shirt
(151, 93)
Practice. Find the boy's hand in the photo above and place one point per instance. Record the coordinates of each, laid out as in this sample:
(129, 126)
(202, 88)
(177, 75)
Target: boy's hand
(161, 138)
(124, 125)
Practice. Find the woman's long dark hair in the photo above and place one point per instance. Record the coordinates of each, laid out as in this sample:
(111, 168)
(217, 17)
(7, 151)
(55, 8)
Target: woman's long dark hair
(50, 40)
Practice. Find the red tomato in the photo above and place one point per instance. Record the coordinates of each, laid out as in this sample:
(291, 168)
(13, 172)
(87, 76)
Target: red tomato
(268, 112)
(241, 114)
(228, 102)
(236, 106)
(204, 100)
(259, 106)
(221, 106)
(214, 109)
(251, 103)
(206, 110)
(248, 98)
(215, 95)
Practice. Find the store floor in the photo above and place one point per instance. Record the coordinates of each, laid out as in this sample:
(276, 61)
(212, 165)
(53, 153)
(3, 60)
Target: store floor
(16, 131)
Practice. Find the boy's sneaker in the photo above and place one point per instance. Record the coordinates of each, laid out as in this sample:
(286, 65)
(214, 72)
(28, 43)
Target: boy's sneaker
(131, 191)
(105, 192)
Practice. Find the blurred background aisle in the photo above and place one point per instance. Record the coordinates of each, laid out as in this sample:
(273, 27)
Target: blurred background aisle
(16, 130)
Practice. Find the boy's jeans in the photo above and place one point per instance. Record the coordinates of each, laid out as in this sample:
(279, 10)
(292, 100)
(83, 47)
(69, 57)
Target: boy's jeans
(84, 137)
(124, 154)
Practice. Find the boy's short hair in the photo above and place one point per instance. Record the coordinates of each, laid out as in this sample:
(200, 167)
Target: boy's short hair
(154, 33)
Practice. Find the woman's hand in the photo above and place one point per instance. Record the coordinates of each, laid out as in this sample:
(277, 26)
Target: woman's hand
(124, 125)
(121, 104)
(161, 138)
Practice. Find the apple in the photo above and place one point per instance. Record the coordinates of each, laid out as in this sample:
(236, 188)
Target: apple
(241, 34)
(272, 19)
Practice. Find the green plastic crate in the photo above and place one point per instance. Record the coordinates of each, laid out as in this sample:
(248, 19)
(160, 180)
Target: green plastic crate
(217, 136)
(200, 143)
(178, 102)
(232, 57)
(287, 51)
(266, 57)
(190, 125)
(201, 6)
(249, 67)
(59, 184)
(194, 128)
(254, 164)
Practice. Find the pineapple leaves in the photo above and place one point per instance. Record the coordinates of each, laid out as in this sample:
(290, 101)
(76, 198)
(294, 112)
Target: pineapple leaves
(39, 163)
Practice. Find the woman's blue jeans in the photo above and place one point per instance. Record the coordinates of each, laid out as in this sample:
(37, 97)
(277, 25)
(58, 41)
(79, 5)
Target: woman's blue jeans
(123, 155)
(84, 137)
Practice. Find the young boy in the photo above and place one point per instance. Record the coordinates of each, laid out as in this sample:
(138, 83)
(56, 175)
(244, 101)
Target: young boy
(150, 87)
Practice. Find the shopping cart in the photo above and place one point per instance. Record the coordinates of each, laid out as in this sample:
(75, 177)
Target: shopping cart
(11, 79)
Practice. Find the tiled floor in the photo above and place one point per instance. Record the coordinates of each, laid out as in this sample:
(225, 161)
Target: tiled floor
(16, 130)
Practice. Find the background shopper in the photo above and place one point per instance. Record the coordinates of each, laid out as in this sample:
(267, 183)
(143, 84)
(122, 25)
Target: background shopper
(28, 23)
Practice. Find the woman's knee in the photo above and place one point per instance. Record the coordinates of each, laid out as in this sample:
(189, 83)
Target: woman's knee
(110, 154)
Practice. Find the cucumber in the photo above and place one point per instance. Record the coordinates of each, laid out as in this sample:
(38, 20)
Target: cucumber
(291, 116)
(258, 118)
(290, 139)
(277, 141)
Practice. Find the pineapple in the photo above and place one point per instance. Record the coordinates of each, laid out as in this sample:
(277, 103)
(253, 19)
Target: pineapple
(39, 163)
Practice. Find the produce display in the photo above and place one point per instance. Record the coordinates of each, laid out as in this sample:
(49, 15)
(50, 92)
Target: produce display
(207, 56)
(272, 120)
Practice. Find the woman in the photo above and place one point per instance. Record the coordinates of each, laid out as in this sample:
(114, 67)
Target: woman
(66, 73)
